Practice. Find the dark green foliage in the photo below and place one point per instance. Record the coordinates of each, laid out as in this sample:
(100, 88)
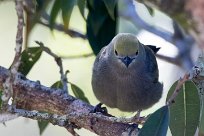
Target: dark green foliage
(32, 19)
(28, 58)
(82, 5)
(66, 6)
(110, 5)
(57, 84)
(101, 27)
(42, 126)
(184, 113)
(54, 12)
(157, 123)
(78, 92)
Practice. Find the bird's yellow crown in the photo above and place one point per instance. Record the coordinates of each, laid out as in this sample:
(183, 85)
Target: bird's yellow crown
(126, 44)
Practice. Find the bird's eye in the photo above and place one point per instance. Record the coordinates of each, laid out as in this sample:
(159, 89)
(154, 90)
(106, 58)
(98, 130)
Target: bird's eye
(116, 53)
(136, 53)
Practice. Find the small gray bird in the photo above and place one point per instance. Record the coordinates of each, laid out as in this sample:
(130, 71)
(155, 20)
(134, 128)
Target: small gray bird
(125, 74)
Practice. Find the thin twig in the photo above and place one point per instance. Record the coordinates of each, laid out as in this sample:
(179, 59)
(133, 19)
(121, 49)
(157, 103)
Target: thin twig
(128, 11)
(52, 118)
(169, 59)
(59, 63)
(6, 116)
(78, 56)
(60, 27)
(8, 89)
(181, 40)
(178, 88)
(55, 119)
(197, 72)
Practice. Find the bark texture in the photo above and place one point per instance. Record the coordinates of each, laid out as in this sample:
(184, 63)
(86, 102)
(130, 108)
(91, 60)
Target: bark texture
(30, 95)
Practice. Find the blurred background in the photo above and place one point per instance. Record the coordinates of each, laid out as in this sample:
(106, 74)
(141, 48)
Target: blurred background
(47, 72)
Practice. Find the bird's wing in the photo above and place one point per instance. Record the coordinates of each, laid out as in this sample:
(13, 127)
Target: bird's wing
(102, 53)
(151, 63)
(153, 48)
(100, 57)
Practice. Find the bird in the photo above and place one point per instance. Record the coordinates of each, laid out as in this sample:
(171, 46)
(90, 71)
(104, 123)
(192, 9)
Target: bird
(125, 74)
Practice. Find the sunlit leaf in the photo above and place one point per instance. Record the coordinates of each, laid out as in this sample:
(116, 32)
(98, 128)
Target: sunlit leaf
(82, 5)
(157, 123)
(57, 84)
(201, 125)
(54, 12)
(32, 19)
(78, 93)
(184, 113)
(110, 5)
(42, 126)
(67, 7)
(28, 58)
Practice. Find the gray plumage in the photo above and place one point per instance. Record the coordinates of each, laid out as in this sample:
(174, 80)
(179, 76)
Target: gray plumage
(125, 75)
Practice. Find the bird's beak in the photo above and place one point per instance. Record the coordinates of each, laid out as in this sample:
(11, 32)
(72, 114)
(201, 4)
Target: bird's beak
(126, 60)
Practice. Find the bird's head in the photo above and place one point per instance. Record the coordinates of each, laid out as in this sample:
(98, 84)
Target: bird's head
(126, 48)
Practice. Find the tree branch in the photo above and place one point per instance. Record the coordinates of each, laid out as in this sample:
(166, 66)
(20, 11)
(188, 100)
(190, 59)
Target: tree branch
(78, 56)
(60, 27)
(188, 13)
(59, 63)
(184, 42)
(169, 59)
(8, 88)
(30, 95)
(178, 88)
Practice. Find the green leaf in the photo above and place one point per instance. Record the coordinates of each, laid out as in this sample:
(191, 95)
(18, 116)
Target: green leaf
(67, 7)
(101, 28)
(96, 22)
(54, 12)
(82, 5)
(110, 5)
(57, 84)
(91, 3)
(28, 58)
(201, 125)
(157, 123)
(42, 125)
(32, 19)
(184, 113)
(78, 92)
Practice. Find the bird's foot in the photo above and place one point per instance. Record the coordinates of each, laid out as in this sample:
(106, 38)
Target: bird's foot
(99, 108)
(135, 119)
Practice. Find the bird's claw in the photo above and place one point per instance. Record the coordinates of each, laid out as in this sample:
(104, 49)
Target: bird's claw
(99, 108)
(137, 119)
